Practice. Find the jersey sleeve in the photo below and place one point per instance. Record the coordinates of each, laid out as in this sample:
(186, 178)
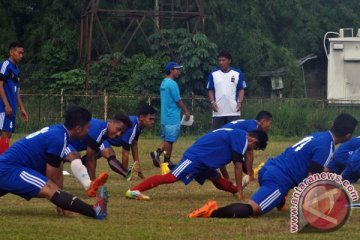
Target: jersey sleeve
(4, 71)
(175, 92)
(210, 84)
(56, 150)
(242, 81)
(322, 153)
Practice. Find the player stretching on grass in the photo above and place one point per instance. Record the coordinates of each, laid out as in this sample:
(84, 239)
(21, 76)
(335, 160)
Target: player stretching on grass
(263, 121)
(287, 170)
(32, 167)
(99, 131)
(9, 95)
(200, 161)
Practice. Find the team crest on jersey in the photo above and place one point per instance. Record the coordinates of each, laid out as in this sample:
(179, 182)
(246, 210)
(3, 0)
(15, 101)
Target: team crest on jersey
(232, 79)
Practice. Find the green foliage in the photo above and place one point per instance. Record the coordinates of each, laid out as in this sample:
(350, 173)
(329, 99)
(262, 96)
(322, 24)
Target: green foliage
(71, 81)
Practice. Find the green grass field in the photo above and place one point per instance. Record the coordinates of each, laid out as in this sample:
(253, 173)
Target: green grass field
(164, 217)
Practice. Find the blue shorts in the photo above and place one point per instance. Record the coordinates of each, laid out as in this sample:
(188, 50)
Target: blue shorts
(21, 181)
(187, 170)
(270, 194)
(352, 169)
(7, 123)
(170, 133)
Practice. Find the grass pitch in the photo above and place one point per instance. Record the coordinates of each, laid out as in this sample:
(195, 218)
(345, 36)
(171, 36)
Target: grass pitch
(164, 217)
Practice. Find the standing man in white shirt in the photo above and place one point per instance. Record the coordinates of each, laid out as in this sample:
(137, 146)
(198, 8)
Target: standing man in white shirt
(226, 92)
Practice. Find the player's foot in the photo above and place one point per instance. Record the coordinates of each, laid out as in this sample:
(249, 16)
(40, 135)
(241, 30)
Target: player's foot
(164, 168)
(136, 195)
(100, 207)
(96, 184)
(171, 165)
(133, 171)
(155, 158)
(205, 211)
(282, 206)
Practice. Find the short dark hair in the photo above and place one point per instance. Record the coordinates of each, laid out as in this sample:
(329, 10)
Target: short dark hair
(343, 125)
(15, 45)
(263, 115)
(123, 118)
(261, 136)
(76, 116)
(145, 110)
(225, 55)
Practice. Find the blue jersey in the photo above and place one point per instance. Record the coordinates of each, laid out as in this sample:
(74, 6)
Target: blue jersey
(293, 165)
(170, 95)
(215, 149)
(341, 155)
(10, 75)
(48, 145)
(129, 136)
(246, 125)
(96, 135)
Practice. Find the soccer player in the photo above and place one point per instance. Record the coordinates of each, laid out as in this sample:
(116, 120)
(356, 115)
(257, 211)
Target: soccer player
(342, 154)
(263, 121)
(99, 131)
(32, 167)
(352, 168)
(144, 119)
(287, 170)
(200, 161)
(9, 95)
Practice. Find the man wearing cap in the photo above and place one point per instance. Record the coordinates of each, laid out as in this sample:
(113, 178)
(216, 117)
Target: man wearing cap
(171, 104)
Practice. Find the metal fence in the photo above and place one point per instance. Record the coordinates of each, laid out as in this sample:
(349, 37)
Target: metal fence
(292, 117)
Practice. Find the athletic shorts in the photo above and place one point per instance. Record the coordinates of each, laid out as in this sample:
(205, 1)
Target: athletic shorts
(170, 133)
(270, 193)
(187, 170)
(7, 123)
(352, 169)
(218, 122)
(21, 181)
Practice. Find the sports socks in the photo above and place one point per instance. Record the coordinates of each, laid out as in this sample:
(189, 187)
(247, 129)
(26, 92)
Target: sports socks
(235, 210)
(154, 181)
(225, 185)
(80, 172)
(4, 144)
(67, 201)
(116, 166)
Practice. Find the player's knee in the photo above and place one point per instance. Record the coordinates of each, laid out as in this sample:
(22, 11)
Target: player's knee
(48, 190)
(72, 156)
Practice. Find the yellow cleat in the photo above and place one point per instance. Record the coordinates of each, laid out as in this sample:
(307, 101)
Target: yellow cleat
(164, 167)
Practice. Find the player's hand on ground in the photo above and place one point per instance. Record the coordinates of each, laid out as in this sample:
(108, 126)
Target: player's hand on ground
(66, 213)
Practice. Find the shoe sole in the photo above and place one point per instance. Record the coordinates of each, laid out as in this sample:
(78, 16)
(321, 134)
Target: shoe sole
(103, 193)
(211, 208)
(155, 161)
(96, 184)
(136, 198)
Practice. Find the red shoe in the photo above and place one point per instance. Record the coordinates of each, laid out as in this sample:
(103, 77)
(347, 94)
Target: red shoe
(96, 184)
(205, 211)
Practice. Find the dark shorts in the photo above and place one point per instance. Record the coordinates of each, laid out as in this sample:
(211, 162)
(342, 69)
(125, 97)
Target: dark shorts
(218, 122)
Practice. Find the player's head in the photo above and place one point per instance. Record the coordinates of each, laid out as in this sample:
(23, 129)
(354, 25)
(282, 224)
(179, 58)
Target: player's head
(16, 52)
(77, 120)
(118, 125)
(344, 126)
(146, 116)
(257, 139)
(224, 60)
(264, 119)
(172, 70)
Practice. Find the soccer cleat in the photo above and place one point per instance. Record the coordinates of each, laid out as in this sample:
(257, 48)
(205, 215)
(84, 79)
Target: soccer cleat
(100, 207)
(133, 171)
(96, 184)
(164, 167)
(257, 169)
(136, 195)
(205, 211)
(155, 158)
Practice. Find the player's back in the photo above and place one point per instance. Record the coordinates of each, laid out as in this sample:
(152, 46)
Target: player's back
(36, 149)
(215, 149)
(246, 125)
(294, 163)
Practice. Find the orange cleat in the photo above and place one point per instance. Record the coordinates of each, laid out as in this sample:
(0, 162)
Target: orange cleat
(96, 184)
(205, 211)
